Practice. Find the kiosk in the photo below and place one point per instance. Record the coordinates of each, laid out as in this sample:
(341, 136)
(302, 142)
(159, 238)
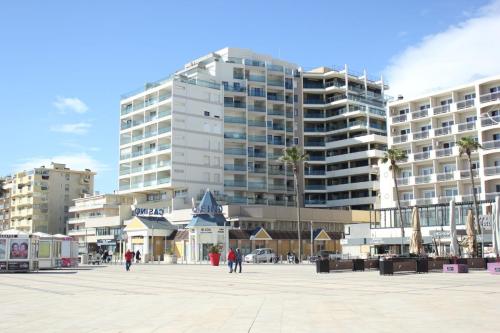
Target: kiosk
(18, 251)
(49, 251)
(69, 250)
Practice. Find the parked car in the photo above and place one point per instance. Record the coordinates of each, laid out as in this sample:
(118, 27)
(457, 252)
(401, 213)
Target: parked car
(261, 255)
(323, 254)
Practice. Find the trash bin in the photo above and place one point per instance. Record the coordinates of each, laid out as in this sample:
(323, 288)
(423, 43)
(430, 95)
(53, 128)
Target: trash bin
(422, 265)
(358, 265)
(386, 267)
(322, 266)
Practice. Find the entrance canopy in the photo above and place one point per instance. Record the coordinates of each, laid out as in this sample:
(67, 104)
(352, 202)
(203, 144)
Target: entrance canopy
(143, 223)
(263, 234)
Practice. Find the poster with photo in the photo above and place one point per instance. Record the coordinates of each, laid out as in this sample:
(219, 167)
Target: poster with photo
(19, 248)
(3, 248)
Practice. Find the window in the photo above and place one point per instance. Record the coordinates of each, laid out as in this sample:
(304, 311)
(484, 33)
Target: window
(446, 101)
(180, 193)
(405, 131)
(447, 123)
(295, 141)
(426, 171)
(450, 192)
(471, 119)
(449, 168)
(425, 128)
(424, 107)
(475, 165)
(427, 148)
(206, 113)
(407, 196)
(428, 194)
(496, 136)
(470, 96)
(67, 176)
(495, 89)
(404, 111)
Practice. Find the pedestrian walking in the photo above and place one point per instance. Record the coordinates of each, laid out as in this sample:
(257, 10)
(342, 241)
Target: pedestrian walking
(137, 257)
(129, 256)
(239, 260)
(231, 258)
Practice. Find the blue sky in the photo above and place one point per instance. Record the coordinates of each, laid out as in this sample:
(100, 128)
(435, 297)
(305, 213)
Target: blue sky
(64, 64)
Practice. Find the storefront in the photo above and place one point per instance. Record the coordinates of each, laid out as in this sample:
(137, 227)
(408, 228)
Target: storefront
(149, 236)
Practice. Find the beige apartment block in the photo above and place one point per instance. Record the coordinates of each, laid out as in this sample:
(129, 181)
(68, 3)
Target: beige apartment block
(344, 134)
(428, 127)
(41, 197)
(98, 221)
(5, 192)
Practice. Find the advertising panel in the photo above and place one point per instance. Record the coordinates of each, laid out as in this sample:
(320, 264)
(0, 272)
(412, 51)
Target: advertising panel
(44, 250)
(19, 248)
(3, 249)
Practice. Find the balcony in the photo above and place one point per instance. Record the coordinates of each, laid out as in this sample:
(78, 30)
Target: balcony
(441, 177)
(313, 85)
(275, 98)
(400, 139)
(237, 89)
(495, 144)
(467, 126)
(314, 144)
(257, 138)
(235, 120)
(309, 172)
(276, 83)
(235, 135)
(441, 109)
(403, 181)
(276, 113)
(164, 146)
(256, 93)
(277, 187)
(444, 152)
(420, 114)
(163, 130)
(465, 104)
(234, 104)
(313, 101)
(315, 187)
(421, 156)
(399, 119)
(258, 154)
(257, 185)
(164, 97)
(490, 121)
(235, 151)
(274, 68)
(256, 123)
(235, 167)
(422, 179)
(256, 78)
(256, 108)
(442, 131)
(490, 97)
(421, 135)
(492, 171)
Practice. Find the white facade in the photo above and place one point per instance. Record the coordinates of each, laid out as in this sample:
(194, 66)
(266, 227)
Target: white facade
(344, 135)
(219, 123)
(98, 220)
(428, 128)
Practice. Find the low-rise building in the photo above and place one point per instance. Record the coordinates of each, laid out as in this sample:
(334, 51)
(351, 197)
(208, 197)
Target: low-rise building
(98, 221)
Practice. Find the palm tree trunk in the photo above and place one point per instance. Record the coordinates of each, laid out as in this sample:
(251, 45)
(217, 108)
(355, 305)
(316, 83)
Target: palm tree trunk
(399, 209)
(298, 209)
(476, 206)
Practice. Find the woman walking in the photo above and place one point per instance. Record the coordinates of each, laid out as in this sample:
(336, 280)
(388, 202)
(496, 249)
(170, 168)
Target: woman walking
(129, 256)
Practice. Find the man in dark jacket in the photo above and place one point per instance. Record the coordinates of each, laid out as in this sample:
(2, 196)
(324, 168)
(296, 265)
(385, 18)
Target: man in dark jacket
(129, 256)
(239, 260)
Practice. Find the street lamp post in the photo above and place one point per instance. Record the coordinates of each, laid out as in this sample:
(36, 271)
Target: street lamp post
(312, 240)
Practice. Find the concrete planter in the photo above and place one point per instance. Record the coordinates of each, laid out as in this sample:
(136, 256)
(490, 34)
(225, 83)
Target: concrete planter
(170, 259)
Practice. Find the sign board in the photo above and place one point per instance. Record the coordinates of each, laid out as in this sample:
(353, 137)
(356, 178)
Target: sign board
(214, 209)
(101, 242)
(138, 211)
(343, 241)
(440, 233)
(18, 265)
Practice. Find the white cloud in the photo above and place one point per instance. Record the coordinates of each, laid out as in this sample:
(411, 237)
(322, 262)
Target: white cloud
(70, 104)
(462, 53)
(78, 161)
(76, 128)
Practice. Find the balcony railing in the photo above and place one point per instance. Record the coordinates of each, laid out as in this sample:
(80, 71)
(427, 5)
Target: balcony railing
(399, 119)
(315, 201)
(491, 171)
(490, 121)
(445, 176)
(257, 185)
(421, 156)
(235, 135)
(403, 181)
(467, 126)
(234, 120)
(490, 97)
(420, 114)
(257, 138)
(400, 139)
(495, 144)
(314, 144)
(256, 108)
(233, 104)
(235, 151)
(468, 103)
(442, 131)
(444, 152)
(308, 172)
(235, 167)
(315, 187)
(421, 135)
(257, 123)
(422, 179)
(441, 109)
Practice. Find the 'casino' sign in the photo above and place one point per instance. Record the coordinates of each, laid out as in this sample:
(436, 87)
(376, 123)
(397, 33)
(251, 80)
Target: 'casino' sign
(149, 211)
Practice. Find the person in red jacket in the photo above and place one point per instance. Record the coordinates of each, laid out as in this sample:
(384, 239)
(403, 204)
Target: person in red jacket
(231, 258)
(128, 259)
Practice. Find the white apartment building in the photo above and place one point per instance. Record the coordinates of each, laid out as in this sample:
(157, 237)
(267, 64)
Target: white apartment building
(427, 128)
(98, 221)
(221, 122)
(344, 134)
(5, 190)
(40, 198)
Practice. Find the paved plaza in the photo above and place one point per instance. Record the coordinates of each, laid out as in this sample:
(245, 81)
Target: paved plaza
(266, 298)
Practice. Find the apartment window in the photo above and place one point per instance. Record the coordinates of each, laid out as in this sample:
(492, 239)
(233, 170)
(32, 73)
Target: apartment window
(428, 194)
(450, 192)
(475, 165)
(447, 123)
(425, 128)
(427, 148)
(446, 101)
(426, 171)
(449, 168)
(225, 84)
(497, 188)
(404, 111)
(405, 131)
(496, 136)
(405, 173)
(494, 89)
(470, 96)
(407, 196)
(67, 176)
(180, 193)
(295, 141)
(471, 119)
(424, 107)
(206, 113)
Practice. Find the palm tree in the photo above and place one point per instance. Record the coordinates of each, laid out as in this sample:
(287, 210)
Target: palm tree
(293, 157)
(393, 156)
(467, 145)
